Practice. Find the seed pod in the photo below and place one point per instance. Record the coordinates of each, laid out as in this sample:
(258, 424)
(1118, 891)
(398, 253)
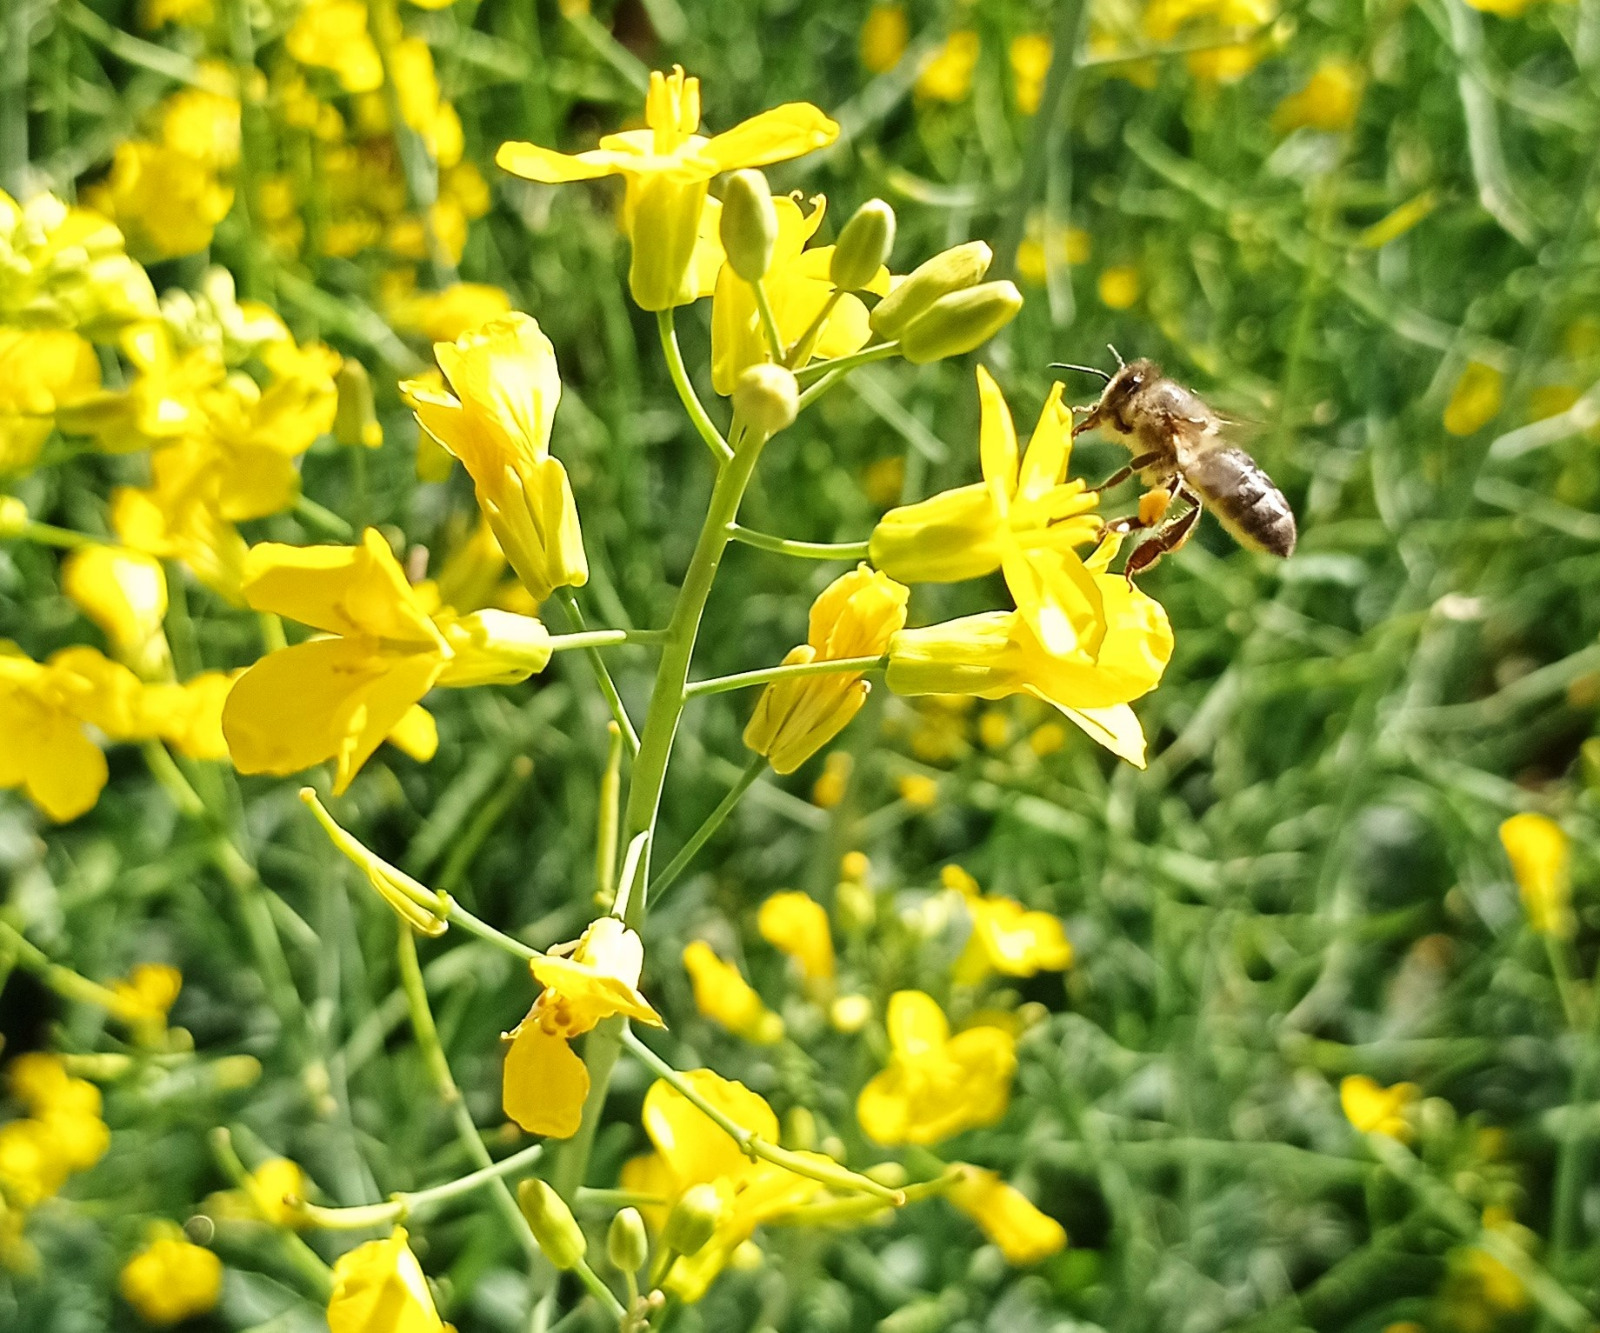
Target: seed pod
(863, 246)
(554, 1227)
(767, 397)
(947, 272)
(960, 321)
(749, 225)
(627, 1246)
(693, 1219)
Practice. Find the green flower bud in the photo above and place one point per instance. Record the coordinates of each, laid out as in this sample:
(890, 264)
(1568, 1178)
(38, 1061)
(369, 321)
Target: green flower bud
(627, 1246)
(948, 272)
(767, 397)
(749, 225)
(554, 1227)
(960, 321)
(13, 516)
(356, 419)
(693, 1219)
(863, 246)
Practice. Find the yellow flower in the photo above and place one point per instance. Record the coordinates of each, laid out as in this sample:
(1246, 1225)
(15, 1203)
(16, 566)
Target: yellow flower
(723, 995)
(935, 1085)
(1024, 518)
(178, 517)
(1541, 862)
(1476, 399)
(947, 77)
(1006, 937)
(46, 752)
(594, 978)
(883, 37)
(1119, 287)
(1006, 1216)
(918, 790)
(277, 1187)
(1030, 63)
(667, 168)
(829, 788)
(65, 268)
(798, 287)
(148, 992)
(1044, 243)
(125, 593)
(796, 924)
(443, 316)
(379, 1287)
(1506, 9)
(203, 125)
(1375, 1109)
(1164, 20)
(40, 371)
(338, 697)
(170, 1280)
(332, 34)
(692, 1150)
(166, 202)
(855, 616)
(1328, 102)
(498, 424)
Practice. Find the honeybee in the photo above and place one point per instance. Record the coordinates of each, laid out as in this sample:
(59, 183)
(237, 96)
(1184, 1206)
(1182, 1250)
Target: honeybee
(1180, 453)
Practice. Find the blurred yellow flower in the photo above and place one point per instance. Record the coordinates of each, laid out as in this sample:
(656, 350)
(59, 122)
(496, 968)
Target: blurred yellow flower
(1119, 287)
(62, 1133)
(40, 370)
(1541, 862)
(332, 34)
(1006, 937)
(156, 13)
(1329, 101)
(1375, 1109)
(1165, 20)
(46, 752)
(796, 924)
(1030, 64)
(379, 1287)
(66, 268)
(125, 593)
(497, 422)
(1506, 9)
(202, 125)
(166, 202)
(594, 978)
(276, 1188)
(830, 785)
(1024, 518)
(446, 315)
(179, 517)
(148, 992)
(918, 790)
(170, 1279)
(884, 35)
(935, 1085)
(947, 77)
(667, 168)
(798, 287)
(421, 106)
(1006, 1216)
(1044, 244)
(854, 616)
(723, 995)
(692, 1150)
(1475, 400)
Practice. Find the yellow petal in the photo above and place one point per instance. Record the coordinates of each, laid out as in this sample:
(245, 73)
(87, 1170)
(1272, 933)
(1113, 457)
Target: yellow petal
(1006, 1216)
(545, 1083)
(549, 167)
(1117, 728)
(796, 924)
(379, 1287)
(693, 1146)
(773, 136)
(350, 590)
(1044, 465)
(916, 1024)
(997, 443)
(416, 734)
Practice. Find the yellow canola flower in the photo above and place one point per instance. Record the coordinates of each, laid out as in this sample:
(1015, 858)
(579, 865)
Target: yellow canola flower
(166, 202)
(124, 593)
(855, 616)
(691, 1150)
(1044, 243)
(594, 978)
(445, 315)
(171, 1279)
(935, 1085)
(1329, 101)
(41, 370)
(179, 517)
(996, 653)
(1006, 937)
(1030, 63)
(1475, 401)
(338, 697)
(276, 1188)
(1024, 518)
(1119, 287)
(1166, 20)
(62, 1133)
(667, 169)
(497, 422)
(884, 36)
(379, 1287)
(1006, 1216)
(798, 287)
(47, 752)
(1375, 1109)
(723, 995)
(1541, 862)
(148, 992)
(332, 34)
(203, 124)
(66, 268)
(796, 924)
(947, 77)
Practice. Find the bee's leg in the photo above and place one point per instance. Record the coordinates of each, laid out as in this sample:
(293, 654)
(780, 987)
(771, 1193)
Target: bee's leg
(1163, 541)
(1123, 473)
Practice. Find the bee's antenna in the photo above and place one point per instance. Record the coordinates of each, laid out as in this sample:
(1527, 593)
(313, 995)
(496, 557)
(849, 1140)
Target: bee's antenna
(1118, 355)
(1087, 370)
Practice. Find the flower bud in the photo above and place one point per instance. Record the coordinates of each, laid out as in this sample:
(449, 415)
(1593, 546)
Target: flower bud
(950, 271)
(767, 397)
(493, 647)
(693, 1219)
(554, 1227)
(960, 321)
(627, 1246)
(749, 225)
(863, 246)
(13, 516)
(355, 421)
(418, 906)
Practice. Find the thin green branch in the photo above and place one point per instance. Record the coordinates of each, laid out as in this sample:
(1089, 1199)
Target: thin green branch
(397, 1207)
(686, 394)
(702, 835)
(765, 676)
(802, 550)
(769, 323)
(840, 364)
(602, 674)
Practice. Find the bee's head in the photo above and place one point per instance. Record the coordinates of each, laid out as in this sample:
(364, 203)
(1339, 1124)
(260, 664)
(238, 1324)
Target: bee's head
(1113, 408)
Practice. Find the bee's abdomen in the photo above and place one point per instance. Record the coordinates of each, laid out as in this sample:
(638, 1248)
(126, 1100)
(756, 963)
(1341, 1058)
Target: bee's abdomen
(1244, 500)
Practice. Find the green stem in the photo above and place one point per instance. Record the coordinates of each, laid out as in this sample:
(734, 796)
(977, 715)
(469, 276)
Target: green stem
(877, 352)
(62, 980)
(306, 1260)
(800, 353)
(702, 835)
(402, 1205)
(14, 99)
(769, 323)
(459, 916)
(667, 327)
(323, 519)
(590, 639)
(802, 550)
(602, 675)
(598, 1289)
(609, 822)
(47, 534)
(253, 151)
(826, 667)
(1574, 1155)
(444, 1082)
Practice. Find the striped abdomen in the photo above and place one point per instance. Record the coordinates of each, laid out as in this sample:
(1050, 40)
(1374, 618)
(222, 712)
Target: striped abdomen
(1244, 499)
